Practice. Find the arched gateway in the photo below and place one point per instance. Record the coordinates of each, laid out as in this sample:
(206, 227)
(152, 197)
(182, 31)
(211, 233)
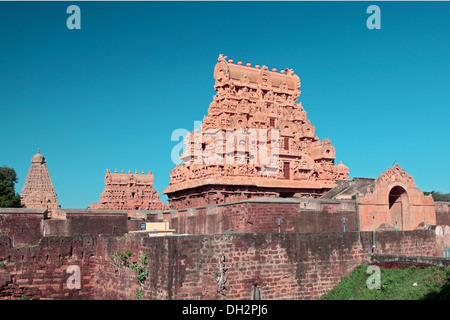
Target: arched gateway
(399, 208)
(396, 200)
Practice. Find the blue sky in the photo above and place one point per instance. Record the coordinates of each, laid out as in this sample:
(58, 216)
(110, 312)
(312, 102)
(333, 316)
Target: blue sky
(111, 94)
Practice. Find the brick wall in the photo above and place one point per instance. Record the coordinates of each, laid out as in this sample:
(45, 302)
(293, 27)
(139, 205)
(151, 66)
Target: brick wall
(97, 224)
(40, 271)
(442, 213)
(22, 225)
(260, 215)
(279, 265)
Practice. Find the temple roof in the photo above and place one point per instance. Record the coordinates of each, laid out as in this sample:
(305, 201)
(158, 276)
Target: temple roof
(38, 158)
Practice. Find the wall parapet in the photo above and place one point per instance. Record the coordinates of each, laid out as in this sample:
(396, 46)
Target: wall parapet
(411, 260)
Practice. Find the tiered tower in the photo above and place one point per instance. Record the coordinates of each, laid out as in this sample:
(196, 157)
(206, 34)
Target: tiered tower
(38, 190)
(256, 111)
(127, 191)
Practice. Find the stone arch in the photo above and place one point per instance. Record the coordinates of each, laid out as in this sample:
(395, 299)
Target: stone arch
(398, 200)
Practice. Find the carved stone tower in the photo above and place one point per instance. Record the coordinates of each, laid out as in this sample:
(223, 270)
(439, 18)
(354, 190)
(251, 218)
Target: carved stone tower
(128, 191)
(256, 141)
(38, 190)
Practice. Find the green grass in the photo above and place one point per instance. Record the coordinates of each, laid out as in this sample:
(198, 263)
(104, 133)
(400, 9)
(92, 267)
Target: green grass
(397, 283)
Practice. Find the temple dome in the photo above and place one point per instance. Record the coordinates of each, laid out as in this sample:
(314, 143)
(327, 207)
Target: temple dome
(342, 167)
(38, 158)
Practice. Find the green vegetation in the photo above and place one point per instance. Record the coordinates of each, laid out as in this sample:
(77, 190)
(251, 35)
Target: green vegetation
(8, 197)
(139, 294)
(398, 283)
(438, 196)
(122, 259)
(141, 271)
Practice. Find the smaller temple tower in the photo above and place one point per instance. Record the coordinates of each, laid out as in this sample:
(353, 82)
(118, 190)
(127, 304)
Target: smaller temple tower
(128, 191)
(38, 190)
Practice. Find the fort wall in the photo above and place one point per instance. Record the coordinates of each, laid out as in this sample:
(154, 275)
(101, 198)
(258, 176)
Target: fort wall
(442, 213)
(278, 265)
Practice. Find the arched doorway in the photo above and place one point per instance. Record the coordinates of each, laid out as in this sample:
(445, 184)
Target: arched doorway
(399, 208)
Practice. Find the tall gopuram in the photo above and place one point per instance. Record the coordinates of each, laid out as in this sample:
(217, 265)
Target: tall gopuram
(128, 191)
(38, 190)
(256, 141)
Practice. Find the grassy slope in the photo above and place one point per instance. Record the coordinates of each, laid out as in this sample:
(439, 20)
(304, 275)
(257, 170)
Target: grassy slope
(397, 283)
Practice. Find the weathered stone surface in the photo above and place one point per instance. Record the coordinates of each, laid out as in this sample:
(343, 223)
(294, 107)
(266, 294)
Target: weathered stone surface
(395, 199)
(289, 266)
(127, 191)
(38, 190)
(256, 141)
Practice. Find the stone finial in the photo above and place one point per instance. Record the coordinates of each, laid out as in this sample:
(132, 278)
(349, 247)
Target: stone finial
(221, 57)
(248, 64)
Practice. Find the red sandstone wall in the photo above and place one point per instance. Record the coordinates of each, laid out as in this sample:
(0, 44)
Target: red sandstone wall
(40, 271)
(442, 213)
(261, 217)
(97, 224)
(22, 228)
(282, 266)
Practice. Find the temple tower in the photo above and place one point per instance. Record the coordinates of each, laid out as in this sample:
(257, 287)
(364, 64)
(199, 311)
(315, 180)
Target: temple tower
(38, 190)
(255, 141)
(128, 191)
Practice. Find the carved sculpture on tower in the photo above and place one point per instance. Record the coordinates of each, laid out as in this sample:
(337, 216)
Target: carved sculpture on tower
(38, 190)
(128, 191)
(255, 141)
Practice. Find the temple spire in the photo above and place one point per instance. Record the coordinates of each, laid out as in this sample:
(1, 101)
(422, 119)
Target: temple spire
(38, 190)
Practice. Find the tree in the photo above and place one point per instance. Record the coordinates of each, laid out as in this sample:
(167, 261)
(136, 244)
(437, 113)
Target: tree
(438, 196)
(8, 197)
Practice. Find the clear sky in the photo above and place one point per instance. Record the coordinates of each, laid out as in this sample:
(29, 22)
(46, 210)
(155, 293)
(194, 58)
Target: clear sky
(110, 94)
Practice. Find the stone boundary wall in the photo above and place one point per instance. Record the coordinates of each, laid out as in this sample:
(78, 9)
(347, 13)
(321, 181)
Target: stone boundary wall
(25, 226)
(442, 213)
(261, 214)
(22, 225)
(411, 260)
(254, 215)
(39, 271)
(279, 265)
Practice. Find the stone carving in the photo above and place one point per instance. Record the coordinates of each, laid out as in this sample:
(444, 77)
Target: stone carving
(131, 191)
(221, 277)
(396, 195)
(38, 190)
(253, 98)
